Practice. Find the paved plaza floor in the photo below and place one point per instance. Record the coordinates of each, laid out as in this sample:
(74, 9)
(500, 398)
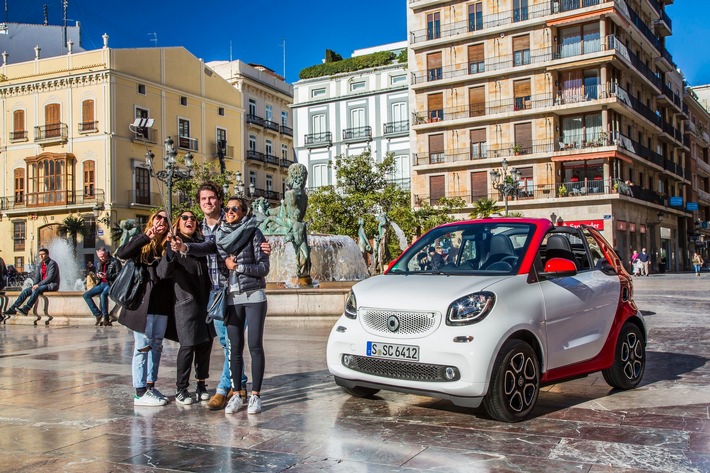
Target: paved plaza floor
(66, 404)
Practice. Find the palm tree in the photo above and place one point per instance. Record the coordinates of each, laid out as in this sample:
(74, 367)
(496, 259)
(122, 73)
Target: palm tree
(72, 227)
(484, 208)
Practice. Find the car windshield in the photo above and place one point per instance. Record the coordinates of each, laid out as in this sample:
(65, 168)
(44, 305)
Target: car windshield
(479, 247)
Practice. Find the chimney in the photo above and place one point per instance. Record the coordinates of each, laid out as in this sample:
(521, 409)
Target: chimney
(37, 51)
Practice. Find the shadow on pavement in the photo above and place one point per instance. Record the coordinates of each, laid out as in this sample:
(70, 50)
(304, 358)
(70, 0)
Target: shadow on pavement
(664, 366)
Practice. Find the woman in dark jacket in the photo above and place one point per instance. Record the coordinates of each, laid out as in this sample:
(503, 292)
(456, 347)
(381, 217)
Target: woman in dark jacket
(239, 244)
(191, 284)
(148, 321)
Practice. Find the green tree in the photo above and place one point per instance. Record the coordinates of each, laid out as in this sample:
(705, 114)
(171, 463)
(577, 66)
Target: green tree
(187, 189)
(484, 208)
(71, 227)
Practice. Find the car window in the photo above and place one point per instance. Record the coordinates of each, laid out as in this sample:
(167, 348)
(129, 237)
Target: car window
(595, 251)
(472, 247)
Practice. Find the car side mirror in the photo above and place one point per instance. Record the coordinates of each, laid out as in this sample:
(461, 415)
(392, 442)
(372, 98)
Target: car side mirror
(605, 267)
(559, 268)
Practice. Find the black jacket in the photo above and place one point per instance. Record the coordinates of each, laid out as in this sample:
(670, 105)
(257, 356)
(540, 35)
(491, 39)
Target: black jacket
(112, 268)
(191, 284)
(252, 265)
(51, 279)
(158, 298)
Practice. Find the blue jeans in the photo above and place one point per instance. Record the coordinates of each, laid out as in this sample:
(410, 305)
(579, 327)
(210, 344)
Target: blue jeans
(147, 362)
(102, 290)
(697, 268)
(225, 381)
(33, 295)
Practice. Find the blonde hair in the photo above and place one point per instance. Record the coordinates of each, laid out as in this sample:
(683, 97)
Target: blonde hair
(154, 250)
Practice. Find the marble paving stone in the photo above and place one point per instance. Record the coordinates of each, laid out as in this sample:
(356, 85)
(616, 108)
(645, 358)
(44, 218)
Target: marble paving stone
(23, 463)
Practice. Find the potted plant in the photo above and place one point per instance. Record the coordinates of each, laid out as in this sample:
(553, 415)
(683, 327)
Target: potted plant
(562, 190)
(615, 187)
(516, 149)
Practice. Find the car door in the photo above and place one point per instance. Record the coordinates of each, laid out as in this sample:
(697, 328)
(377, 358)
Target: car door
(579, 311)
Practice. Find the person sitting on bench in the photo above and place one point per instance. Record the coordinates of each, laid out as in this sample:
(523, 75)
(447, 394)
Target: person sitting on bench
(46, 279)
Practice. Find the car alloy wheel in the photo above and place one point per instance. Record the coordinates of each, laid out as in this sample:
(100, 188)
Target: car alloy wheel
(629, 359)
(515, 383)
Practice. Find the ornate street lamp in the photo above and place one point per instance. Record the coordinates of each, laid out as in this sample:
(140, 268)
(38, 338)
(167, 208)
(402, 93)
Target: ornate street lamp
(505, 181)
(170, 174)
(240, 187)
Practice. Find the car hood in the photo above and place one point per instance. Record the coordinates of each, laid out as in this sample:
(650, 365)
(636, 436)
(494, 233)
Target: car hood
(419, 292)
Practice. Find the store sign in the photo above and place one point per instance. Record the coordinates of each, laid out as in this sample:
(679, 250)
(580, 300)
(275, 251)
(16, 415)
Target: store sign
(595, 224)
(621, 225)
(676, 201)
(691, 206)
(632, 227)
(665, 233)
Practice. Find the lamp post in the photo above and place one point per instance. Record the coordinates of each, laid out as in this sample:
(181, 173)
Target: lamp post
(653, 225)
(106, 219)
(505, 181)
(240, 187)
(170, 174)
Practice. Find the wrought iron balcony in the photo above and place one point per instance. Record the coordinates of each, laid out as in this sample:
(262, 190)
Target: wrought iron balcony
(256, 155)
(16, 136)
(145, 134)
(318, 140)
(285, 130)
(86, 127)
(228, 151)
(54, 133)
(256, 120)
(396, 128)
(271, 159)
(273, 126)
(363, 133)
(285, 163)
(54, 198)
(185, 142)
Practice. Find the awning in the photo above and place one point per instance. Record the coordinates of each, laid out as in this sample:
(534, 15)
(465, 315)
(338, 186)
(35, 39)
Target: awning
(593, 15)
(589, 156)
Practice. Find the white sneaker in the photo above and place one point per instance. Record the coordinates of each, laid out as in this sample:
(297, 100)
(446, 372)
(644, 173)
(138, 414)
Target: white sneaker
(254, 405)
(148, 399)
(235, 403)
(159, 395)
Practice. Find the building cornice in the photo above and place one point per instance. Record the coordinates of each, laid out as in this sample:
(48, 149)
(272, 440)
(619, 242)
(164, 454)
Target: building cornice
(56, 83)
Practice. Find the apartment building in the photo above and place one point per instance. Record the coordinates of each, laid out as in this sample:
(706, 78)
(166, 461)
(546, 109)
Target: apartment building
(68, 147)
(580, 97)
(268, 133)
(349, 112)
(697, 134)
(21, 42)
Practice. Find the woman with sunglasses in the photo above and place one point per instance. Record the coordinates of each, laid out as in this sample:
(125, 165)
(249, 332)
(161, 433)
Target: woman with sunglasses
(150, 320)
(239, 244)
(189, 276)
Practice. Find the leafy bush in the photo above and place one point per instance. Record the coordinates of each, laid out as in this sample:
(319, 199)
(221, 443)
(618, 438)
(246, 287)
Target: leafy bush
(352, 64)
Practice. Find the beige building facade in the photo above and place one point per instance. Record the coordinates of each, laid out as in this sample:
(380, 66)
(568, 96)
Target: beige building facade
(67, 148)
(697, 134)
(580, 97)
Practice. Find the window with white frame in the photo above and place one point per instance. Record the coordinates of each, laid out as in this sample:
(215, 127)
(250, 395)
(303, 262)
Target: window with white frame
(252, 142)
(252, 107)
(269, 147)
(284, 118)
(269, 112)
(269, 182)
(402, 79)
(357, 117)
(320, 175)
(284, 151)
(399, 112)
(401, 168)
(252, 178)
(319, 123)
(355, 86)
(319, 92)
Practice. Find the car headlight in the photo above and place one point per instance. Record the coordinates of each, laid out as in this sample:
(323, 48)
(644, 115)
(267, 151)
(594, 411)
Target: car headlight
(470, 309)
(351, 306)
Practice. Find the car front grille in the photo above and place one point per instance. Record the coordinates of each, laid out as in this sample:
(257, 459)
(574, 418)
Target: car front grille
(398, 369)
(378, 321)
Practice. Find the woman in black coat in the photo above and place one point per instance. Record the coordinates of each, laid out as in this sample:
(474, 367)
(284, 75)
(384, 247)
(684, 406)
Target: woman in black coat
(150, 320)
(190, 281)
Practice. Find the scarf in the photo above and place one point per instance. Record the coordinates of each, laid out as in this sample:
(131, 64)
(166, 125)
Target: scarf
(233, 238)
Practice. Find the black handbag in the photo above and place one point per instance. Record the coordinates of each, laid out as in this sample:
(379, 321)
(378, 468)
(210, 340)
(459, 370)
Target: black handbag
(217, 304)
(128, 289)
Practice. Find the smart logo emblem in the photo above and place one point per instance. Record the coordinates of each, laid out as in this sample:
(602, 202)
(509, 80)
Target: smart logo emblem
(392, 323)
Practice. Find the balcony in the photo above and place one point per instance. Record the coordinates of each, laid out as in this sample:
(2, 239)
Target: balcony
(254, 155)
(52, 134)
(664, 25)
(519, 104)
(319, 140)
(703, 168)
(226, 150)
(575, 140)
(254, 120)
(285, 163)
(185, 142)
(285, 130)
(147, 135)
(271, 159)
(273, 126)
(400, 128)
(704, 197)
(481, 22)
(139, 197)
(271, 195)
(691, 128)
(63, 198)
(88, 127)
(353, 135)
(571, 5)
(18, 136)
(639, 23)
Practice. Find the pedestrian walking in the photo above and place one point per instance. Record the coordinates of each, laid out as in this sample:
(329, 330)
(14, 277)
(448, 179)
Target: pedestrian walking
(645, 260)
(191, 286)
(108, 268)
(150, 320)
(239, 244)
(45, 279)
(698, 262)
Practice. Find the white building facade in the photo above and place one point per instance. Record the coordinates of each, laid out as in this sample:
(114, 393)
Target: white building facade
(348, 113)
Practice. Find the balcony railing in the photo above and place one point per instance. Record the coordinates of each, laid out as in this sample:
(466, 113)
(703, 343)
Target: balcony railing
(257, 120)
(396, 128)
(577, 140)
(362, 133)
(145, 134)
(228, 151)
(256, 155)
(570, 5)
(269, 125)
(55, 197)
(18, 136)
(317, 140)
(643, 27)
(482, 22)
(139, 197)
(285, 163)
(271, 159)
(185, 142)
(285, 130)
(54, 133)
(85, 127)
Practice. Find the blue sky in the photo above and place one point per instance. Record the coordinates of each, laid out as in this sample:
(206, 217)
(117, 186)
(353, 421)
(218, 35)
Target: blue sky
(257, 28)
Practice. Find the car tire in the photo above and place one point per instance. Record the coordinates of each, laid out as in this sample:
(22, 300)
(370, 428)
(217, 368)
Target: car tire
(629, 359)
(515, 383)
(360, 391)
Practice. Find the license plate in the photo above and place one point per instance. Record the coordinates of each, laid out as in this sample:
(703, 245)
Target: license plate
(390, 350)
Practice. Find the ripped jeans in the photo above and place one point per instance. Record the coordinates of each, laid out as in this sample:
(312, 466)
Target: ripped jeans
(146, 363)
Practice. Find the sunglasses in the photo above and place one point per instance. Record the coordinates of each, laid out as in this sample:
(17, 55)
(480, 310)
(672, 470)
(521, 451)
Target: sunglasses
(232, 209)
(160, 217)
(185, 218)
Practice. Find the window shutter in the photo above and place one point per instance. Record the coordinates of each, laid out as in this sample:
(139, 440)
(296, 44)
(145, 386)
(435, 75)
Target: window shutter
(437, 189)
(19, 121)
(87, 111)
(476, 101)
(475, 53)
(436, 143)
(51, 114)
(478, 136)
(479, 185)
(523, 136)
(521, 43)
(433, 60)
(435, 101)
(521, 88)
